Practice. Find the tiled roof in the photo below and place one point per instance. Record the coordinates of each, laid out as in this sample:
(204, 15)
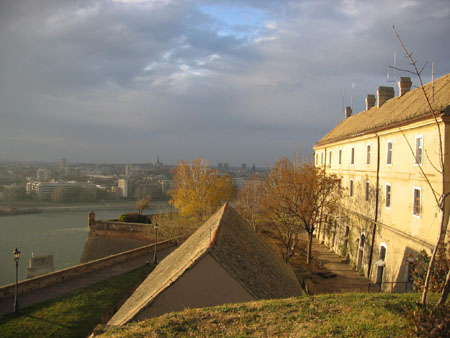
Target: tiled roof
(240, 251)
(397, 110)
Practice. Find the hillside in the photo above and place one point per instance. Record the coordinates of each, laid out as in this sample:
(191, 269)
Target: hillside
(333, 315)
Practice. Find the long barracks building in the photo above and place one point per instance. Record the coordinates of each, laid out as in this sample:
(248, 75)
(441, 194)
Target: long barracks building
(385, 155)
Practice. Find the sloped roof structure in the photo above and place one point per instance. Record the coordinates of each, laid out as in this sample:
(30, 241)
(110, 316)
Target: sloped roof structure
(235, 246)
(396, 111)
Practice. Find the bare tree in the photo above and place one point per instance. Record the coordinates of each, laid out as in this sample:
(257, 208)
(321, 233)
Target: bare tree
(248, 202)
(143, 203)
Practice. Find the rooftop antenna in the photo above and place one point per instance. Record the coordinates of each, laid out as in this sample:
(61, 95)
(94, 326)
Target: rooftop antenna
(432, 78)
(388, 72)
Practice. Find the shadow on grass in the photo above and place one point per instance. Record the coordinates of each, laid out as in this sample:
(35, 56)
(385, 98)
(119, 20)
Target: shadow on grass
(51, 322)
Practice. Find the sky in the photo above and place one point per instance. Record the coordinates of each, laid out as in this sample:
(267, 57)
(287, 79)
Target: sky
(116, 81)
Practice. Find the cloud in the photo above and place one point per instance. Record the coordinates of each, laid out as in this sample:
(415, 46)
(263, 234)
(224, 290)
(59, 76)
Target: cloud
(233, 81)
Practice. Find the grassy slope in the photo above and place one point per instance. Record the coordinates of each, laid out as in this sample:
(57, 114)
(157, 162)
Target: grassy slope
(334, 315)
(74, 314)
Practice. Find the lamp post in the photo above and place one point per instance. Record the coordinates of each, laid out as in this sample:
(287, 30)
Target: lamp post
(155, 259)
(16, 255)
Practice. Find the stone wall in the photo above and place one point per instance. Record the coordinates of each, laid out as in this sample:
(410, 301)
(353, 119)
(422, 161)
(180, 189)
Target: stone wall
(115, 229)
(109, 237)
(36, 283)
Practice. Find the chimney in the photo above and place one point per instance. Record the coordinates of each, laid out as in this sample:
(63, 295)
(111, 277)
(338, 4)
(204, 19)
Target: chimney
(404, 85)
(348, 112)
(370, 101)
(384, 94)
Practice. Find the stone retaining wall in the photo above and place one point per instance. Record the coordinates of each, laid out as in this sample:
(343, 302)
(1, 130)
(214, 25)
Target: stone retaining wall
(115, 229)
(78, 270)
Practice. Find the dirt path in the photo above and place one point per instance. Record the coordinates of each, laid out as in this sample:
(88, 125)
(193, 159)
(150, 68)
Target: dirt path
(61, 288)
(326, 265)
(326, 273)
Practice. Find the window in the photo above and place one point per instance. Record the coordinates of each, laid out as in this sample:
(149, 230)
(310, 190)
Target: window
(417, 206)
(352, 158)
(368, 154)
(419, 150)
(367, 190)
(317, 158)
(389, 153)
(351, 188)
(340, 156)
(329, 158)
(382, 254)
(388, 196)
(321, 158)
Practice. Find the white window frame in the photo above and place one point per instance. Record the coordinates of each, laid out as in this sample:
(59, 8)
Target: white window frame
(352, 156)
(351, 188)
(368, 150)
(419, 215)
(340, 156)
(389, 142)
(415, 151)
(367, 191)
(386, 195)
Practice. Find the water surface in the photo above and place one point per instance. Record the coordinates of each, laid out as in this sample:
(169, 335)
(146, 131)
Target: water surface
(61, 233)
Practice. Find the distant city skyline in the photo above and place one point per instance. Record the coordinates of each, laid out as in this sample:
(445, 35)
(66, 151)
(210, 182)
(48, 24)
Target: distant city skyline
(117, 81)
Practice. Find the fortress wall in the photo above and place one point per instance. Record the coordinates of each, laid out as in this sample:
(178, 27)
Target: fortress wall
(78, 270)
(110, 237)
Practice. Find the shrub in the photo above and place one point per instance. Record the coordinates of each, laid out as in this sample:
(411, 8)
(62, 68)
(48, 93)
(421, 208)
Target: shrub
(441, 267)
(430, 322)
(134, 217)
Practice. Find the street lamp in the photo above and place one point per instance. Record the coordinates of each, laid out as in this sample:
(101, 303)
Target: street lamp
(155, 260)
(16, 255)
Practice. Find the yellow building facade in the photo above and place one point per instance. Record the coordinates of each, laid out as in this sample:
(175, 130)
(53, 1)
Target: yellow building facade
(389, 160)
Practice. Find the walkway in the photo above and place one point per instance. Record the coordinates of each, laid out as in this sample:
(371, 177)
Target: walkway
(326, 265)
(61, 288)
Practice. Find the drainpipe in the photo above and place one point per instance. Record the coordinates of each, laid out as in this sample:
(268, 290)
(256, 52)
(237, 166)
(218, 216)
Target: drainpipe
(377, 190)
(321, 210)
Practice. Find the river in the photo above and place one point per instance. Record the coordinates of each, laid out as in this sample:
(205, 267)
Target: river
(60, 233)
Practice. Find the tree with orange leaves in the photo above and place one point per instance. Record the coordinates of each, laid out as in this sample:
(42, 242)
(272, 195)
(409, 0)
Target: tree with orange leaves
(297, 197)
(198, 190)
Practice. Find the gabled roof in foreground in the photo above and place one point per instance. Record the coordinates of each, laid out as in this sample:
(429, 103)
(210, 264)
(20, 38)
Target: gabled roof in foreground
(235, 246)
(393, 112)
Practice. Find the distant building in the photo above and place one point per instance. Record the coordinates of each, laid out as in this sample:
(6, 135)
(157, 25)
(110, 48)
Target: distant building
(220, 166)
(165, 185)
(128, 170)
(244, 166)
(43, 175)
(389, 213)
(226, 166)
(61, 191)
(123, 185)
(62, 164)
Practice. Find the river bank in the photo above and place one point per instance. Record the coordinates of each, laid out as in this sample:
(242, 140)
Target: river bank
(57, 207)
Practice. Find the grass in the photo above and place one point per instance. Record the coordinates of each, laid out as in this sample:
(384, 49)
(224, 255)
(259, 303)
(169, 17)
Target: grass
(74, 314)
(331, 315)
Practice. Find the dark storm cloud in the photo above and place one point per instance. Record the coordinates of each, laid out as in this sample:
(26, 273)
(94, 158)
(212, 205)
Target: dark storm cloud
(124, 81)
